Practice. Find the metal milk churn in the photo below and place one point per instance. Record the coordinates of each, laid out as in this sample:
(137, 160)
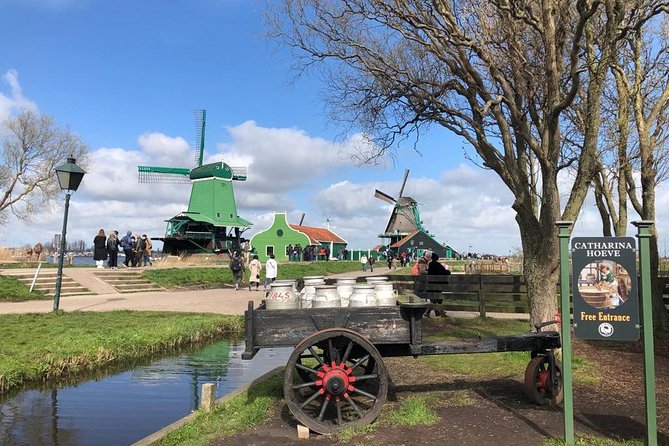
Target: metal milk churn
(309, 290)
(345, 289)
(282, 296)
(375, 279)
(363, 296)
(386, 296)
(326, 297)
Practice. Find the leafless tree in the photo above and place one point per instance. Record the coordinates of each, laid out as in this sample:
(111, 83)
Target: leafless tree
(33, 146)
(635, 157)
(498, 73)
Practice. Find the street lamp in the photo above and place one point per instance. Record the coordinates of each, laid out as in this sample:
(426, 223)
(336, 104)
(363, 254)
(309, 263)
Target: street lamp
(69, 178)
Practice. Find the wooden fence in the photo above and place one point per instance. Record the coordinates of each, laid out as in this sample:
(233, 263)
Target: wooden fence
(482, 293)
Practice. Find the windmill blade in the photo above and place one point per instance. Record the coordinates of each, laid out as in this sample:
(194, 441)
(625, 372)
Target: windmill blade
(200, 123)
(385, 197)
(404, 182)
(163, 175)
(302, 219)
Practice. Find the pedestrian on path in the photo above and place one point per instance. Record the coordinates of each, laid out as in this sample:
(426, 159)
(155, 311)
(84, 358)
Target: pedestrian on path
(100, 249)
(363, 261)
(237, 268)
(126, 246)
(112, 248)
(371, 263)
(271, 270)
(254, 272)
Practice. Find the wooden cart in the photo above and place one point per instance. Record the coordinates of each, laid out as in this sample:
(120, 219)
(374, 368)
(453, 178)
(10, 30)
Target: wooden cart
(335, 377)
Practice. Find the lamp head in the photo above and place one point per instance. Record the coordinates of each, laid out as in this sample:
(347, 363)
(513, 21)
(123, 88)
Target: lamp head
(69, 175)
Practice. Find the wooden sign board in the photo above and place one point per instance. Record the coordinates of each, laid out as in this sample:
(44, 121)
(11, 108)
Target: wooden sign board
(605, 288)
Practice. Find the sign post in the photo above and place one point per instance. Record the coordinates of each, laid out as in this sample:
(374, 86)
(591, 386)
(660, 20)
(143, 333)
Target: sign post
(643, 234)
(564, 229)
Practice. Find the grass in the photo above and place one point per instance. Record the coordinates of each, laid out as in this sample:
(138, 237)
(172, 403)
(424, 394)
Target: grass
(179, 278)
(41, 347)
(491, 365)
(13, 290)
(590, 440)
(232, 416)
(414, 410)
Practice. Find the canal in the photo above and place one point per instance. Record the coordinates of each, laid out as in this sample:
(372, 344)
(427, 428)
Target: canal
(122, 408)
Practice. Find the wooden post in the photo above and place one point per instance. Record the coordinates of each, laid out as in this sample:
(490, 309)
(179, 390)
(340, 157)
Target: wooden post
(481, 297)
(208, 396)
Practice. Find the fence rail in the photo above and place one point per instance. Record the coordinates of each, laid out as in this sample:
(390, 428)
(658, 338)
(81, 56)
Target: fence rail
(501, 293)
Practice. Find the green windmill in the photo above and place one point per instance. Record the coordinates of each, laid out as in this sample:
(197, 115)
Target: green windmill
(211, 222)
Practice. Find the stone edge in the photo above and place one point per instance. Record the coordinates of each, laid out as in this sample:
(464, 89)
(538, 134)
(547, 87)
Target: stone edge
(177, 424)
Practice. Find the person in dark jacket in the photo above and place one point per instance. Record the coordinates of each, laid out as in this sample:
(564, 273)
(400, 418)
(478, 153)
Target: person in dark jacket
(100, 249)
(434, 268)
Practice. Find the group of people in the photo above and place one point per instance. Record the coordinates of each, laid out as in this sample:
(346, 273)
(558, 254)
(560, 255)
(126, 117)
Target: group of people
(137, 250)
(238, 267)
(429, 265)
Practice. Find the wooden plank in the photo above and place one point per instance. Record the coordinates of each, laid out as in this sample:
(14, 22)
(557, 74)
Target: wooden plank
(276, 328)
(491, 288)
(505, 297)
(449, 287)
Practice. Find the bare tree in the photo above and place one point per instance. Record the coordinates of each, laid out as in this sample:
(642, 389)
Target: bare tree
(498, 73)
(33, 147)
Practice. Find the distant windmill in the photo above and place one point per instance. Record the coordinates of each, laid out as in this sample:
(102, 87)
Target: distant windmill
(404, 218)
(328, 222)
(211, 221)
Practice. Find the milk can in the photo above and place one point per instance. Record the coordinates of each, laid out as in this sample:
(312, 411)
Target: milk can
(345, 289)
(309, 290)
(386, 296)
(363, 296)
(326, 297)
(282, 296)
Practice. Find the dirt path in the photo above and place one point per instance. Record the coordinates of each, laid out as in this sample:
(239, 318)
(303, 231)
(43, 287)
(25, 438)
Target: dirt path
(497, 412)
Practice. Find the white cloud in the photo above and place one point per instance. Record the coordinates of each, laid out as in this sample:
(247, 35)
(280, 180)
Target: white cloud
(14, 101)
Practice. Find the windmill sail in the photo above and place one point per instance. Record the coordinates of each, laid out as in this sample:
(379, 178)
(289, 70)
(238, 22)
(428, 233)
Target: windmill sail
(200, 123)
(385, 197)
(163, 175)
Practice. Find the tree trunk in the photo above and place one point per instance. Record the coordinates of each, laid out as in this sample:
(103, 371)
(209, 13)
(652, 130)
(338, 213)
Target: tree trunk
(541, 268)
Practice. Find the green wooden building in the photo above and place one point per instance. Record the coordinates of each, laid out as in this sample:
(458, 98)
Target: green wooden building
(281, 234)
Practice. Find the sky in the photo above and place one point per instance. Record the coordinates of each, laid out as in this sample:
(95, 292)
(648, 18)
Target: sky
(126, 77)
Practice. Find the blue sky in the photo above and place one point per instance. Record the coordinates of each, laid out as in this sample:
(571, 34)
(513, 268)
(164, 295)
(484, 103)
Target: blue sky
(127, 75)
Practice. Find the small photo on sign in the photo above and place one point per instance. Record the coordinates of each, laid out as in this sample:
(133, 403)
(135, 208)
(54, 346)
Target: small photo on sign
(604, 284)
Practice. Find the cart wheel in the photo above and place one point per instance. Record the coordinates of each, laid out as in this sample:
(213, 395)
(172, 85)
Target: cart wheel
(539, 384)
(347, 386)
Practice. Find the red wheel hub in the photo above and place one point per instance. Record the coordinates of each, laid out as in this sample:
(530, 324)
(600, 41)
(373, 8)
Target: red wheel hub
(542, 380)
(335, 380)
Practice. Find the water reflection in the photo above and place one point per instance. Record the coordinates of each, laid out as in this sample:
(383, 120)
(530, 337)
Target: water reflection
(122, 408)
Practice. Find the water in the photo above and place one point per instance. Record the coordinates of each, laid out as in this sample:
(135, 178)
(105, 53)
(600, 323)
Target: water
(125, 407)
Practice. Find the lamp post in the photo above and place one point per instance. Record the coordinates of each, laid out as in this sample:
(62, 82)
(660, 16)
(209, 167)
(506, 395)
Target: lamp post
(69, 178)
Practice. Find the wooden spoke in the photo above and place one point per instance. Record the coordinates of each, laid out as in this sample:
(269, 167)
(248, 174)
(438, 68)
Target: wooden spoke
(363, 393)
(353, 405)
(302, 386)
(310, 399)
(325, 405)
(359, 362)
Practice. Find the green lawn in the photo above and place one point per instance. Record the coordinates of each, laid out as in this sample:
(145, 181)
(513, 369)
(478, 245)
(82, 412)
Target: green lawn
(40, 347)
(13, 290)
(180, 278)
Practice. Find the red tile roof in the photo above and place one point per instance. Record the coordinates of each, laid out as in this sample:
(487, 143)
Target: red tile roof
(317, 235)
(403, 240)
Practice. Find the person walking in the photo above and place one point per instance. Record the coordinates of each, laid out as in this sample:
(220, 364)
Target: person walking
(112, 249)
(271, 271)
(237, 268)
(371, 263)
(254, 272)
(126, 246)
(363, 261)
(100, 249)
(146, 247)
